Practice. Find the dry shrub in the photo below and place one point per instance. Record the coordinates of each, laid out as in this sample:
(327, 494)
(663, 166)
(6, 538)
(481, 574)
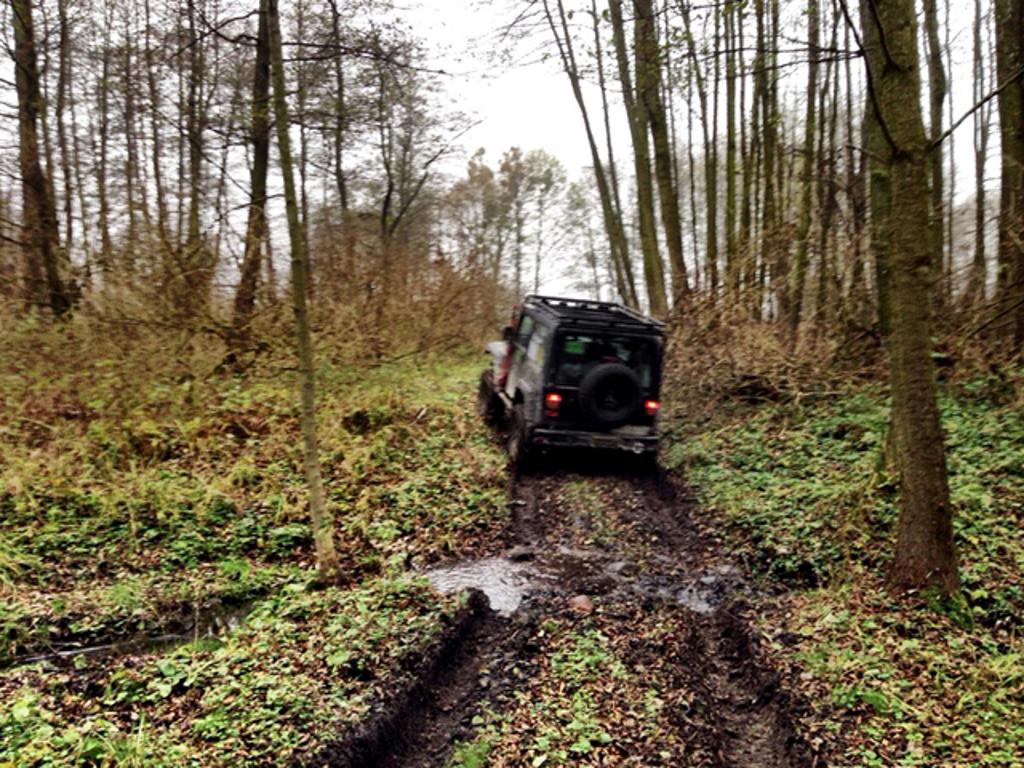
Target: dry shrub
(719, 353)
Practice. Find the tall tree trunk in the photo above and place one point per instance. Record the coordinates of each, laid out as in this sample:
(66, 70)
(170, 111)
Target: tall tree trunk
(245, 296)
(748, 150)
(154, 133)
(857, 297)
(131, 152)
(320, 516)
(809, 174)
(102, 165)
(691, 162)
(937, 88)
(1009, 24)
(707, 123)
(63, 87)
(879, 181)
(195, 283)
(40, 235)
(648, 82)
(732, 269)
(925, 556)
(654, 273)
(828, 111)
(977, 278)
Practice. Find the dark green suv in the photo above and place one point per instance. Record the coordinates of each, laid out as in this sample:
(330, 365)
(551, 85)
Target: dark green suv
(575, 373)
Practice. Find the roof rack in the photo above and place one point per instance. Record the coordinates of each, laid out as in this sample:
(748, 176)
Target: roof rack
(591, 311)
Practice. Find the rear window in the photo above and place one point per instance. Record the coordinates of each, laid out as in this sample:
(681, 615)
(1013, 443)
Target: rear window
(578, 353)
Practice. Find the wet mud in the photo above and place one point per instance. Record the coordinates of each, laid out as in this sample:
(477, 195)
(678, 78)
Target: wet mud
(416, 722)
(557, 552)
(202, 623)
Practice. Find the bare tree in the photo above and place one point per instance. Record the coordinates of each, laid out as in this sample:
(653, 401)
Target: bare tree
(320, 517)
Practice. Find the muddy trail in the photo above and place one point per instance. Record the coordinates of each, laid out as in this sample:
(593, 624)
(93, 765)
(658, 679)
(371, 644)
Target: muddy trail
(614, 551)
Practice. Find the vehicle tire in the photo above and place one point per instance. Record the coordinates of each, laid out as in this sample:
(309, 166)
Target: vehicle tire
(518, 445)
(610, 395)
(488, 404)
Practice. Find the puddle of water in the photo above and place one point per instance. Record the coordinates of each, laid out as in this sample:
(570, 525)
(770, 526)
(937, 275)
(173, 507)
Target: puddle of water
(696, 599)
(211, 622)
(503, 581)
(702, 595)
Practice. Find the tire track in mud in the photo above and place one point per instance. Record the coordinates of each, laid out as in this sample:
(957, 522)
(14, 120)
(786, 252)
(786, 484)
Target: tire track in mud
(659, 558)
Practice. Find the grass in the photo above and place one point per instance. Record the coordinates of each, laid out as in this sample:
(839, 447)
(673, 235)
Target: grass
(804, 495)
(140, 483)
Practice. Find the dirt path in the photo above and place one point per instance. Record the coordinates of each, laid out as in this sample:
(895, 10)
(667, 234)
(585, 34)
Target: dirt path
(616, 549)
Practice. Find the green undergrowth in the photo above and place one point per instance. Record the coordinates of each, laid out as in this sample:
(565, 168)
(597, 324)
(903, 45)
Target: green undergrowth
(304, 665)
(571, 712)
(804, 495)
(141, 482)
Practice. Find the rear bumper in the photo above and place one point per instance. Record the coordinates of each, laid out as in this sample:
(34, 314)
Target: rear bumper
(634, 443)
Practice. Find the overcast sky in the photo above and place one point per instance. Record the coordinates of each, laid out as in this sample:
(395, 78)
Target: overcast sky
(528, 102)
(519, 99)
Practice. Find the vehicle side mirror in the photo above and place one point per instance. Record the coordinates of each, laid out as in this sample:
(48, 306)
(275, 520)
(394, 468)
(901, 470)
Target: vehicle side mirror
(508, 333)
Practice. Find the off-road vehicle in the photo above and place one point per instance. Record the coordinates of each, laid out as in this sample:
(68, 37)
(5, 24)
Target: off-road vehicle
(575, 373)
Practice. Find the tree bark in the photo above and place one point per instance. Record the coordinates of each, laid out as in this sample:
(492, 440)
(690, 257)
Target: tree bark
(977, 278)
(245, 297)
(654, 273)
(1009, 60)
(925, 556)
(41, 235)
(320, 517)
(648, 77)
(195, 278)
(803, 235)
(707, 123)
(937, 89)
(154, 133)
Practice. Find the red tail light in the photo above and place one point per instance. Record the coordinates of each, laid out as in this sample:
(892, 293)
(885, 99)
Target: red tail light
(552, 403)
(651, 407)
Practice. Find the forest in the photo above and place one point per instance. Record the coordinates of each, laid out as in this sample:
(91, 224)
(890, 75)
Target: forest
(250, 513)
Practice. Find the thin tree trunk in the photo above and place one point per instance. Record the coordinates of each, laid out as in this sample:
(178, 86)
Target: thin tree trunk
(245, 297)
(803, 234)
(707, 124)
(977, 278)
(154, 129)
(195, 283)
(857, 297)
(732, 270)
(63, 87)
(692, 174)
(937, 89)
(320, 517)
(131, 153)
(102, 193)
(625, 280)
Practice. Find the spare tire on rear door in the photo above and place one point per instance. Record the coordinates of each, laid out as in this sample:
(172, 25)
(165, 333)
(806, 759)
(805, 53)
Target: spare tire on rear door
(610, 394)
